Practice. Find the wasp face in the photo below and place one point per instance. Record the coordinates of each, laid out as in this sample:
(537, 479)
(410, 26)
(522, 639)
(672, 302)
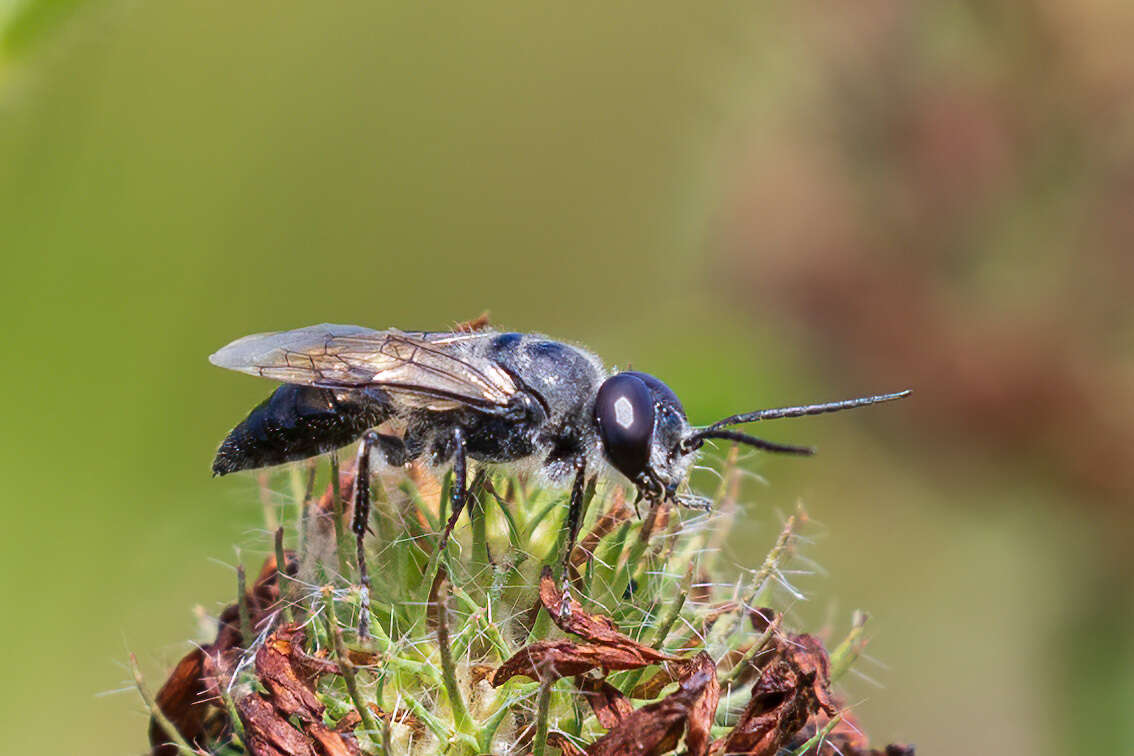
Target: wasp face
(642, 426)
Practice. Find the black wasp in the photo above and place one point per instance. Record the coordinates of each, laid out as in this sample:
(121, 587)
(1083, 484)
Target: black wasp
(498, 398)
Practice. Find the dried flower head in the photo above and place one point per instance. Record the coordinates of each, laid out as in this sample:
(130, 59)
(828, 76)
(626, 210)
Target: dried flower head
(495, 642)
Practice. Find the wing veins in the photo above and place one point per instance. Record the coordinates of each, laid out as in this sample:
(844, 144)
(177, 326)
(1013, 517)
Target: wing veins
(333, 356)
(422, 347)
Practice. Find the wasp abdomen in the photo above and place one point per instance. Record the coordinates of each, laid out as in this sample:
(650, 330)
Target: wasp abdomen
(297, 422)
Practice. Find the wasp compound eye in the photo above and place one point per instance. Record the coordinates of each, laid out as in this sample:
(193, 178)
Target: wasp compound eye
(624, 412)
(661, 392)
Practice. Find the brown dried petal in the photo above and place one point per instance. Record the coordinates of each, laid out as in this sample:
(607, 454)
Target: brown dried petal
(551, 660)
(792, 687)
(480, 672)
(565, 745)
(332, 742)
(184, 697)
(704, 709)
(361, 658)
(607, 702)
(653, 686)
(266, 733)
(701, 592)
(349, 721)
(290, 674)
(261, 600)
(807, 652)
(656, 728)
(656, 519)
(761, 618)
(570, 616)
(352, 719)
(669, 673)
(216, 671)
(182, 700)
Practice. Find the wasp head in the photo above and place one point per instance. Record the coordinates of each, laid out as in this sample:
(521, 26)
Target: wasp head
(646, 436)
(642, 426)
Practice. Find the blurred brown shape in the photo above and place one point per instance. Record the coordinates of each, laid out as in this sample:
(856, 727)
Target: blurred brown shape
(479, 323)
(962, 230)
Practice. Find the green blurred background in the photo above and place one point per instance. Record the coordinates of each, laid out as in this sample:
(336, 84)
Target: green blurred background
(761, 203)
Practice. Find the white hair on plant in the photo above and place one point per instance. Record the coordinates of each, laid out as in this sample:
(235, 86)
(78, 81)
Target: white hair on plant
(420, 643)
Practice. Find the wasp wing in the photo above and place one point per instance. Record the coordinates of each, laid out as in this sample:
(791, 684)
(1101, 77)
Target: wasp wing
(428, 370)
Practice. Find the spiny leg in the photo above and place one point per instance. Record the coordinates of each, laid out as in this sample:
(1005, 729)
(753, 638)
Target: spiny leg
(459, 493)
(360, 524)
(394, 451)
(575, 512)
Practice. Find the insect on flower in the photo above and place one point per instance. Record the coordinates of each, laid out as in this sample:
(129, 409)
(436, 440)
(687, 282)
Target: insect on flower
(497, 398)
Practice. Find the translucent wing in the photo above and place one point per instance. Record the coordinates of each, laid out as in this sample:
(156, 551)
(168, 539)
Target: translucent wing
(430, 370)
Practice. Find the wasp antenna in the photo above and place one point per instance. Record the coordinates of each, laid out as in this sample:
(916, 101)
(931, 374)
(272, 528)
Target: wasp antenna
(695, 440)
(807, 409)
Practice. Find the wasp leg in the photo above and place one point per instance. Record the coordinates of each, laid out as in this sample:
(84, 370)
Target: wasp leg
(460, 492)
(394, 453)
(575, 512)
(360, 525)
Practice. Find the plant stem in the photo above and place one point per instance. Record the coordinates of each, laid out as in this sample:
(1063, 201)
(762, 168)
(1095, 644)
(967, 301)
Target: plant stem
(815, 740)
(242, 607)
(233, 714)
(337, 505)
(281, 578)
(772, 561)
(346, 666)
(159, 716)
(448, 669)
(751, 653)
(478, 515)
(303, 502)
(539, 747)
(848, 651)
(674, 609)
(270, 519)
